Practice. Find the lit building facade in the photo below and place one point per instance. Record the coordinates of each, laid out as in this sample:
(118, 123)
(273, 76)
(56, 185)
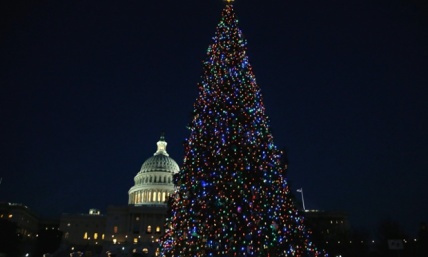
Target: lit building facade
(327, 225)
(331, 231)
(22, 229)
(83, 229)
(136, 228)
(26, 221)
(132, 228)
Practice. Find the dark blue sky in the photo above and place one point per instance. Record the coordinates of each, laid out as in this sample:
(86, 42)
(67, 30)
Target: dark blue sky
(86, 87)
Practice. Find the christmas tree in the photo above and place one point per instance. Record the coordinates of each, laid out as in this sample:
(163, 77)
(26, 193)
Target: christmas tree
(232, 197)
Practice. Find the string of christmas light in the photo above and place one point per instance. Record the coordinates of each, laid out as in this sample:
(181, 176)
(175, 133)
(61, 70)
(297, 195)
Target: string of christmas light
(232, 198)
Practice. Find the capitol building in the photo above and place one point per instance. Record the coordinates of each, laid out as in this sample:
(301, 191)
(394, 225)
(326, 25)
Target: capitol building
(134, 228)
(153, 183)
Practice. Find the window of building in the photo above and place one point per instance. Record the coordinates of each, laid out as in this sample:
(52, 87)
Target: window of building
(85, 236)
(114, 240)
(149, 229)
(145, 250)
(136, 229)
(10, 216)
(115, 229)
(135, 240)
(95, 236)
(102, 237)
(158, 229)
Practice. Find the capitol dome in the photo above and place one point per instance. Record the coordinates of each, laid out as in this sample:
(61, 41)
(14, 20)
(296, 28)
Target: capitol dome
(154, 183)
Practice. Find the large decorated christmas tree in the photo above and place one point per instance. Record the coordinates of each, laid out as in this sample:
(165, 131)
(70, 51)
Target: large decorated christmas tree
(232, 197)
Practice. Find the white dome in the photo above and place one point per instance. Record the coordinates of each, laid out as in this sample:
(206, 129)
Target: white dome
(154, 181)
(160, 162)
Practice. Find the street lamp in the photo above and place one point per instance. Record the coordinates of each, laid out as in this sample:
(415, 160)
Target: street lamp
(300, 190)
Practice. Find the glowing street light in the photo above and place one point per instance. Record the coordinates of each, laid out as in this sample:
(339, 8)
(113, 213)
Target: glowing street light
(300, 190)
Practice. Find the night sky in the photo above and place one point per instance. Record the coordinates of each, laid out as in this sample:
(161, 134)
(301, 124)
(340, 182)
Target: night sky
(87, 87)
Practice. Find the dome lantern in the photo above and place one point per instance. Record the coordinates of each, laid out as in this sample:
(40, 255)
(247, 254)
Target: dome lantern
(161, 146)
